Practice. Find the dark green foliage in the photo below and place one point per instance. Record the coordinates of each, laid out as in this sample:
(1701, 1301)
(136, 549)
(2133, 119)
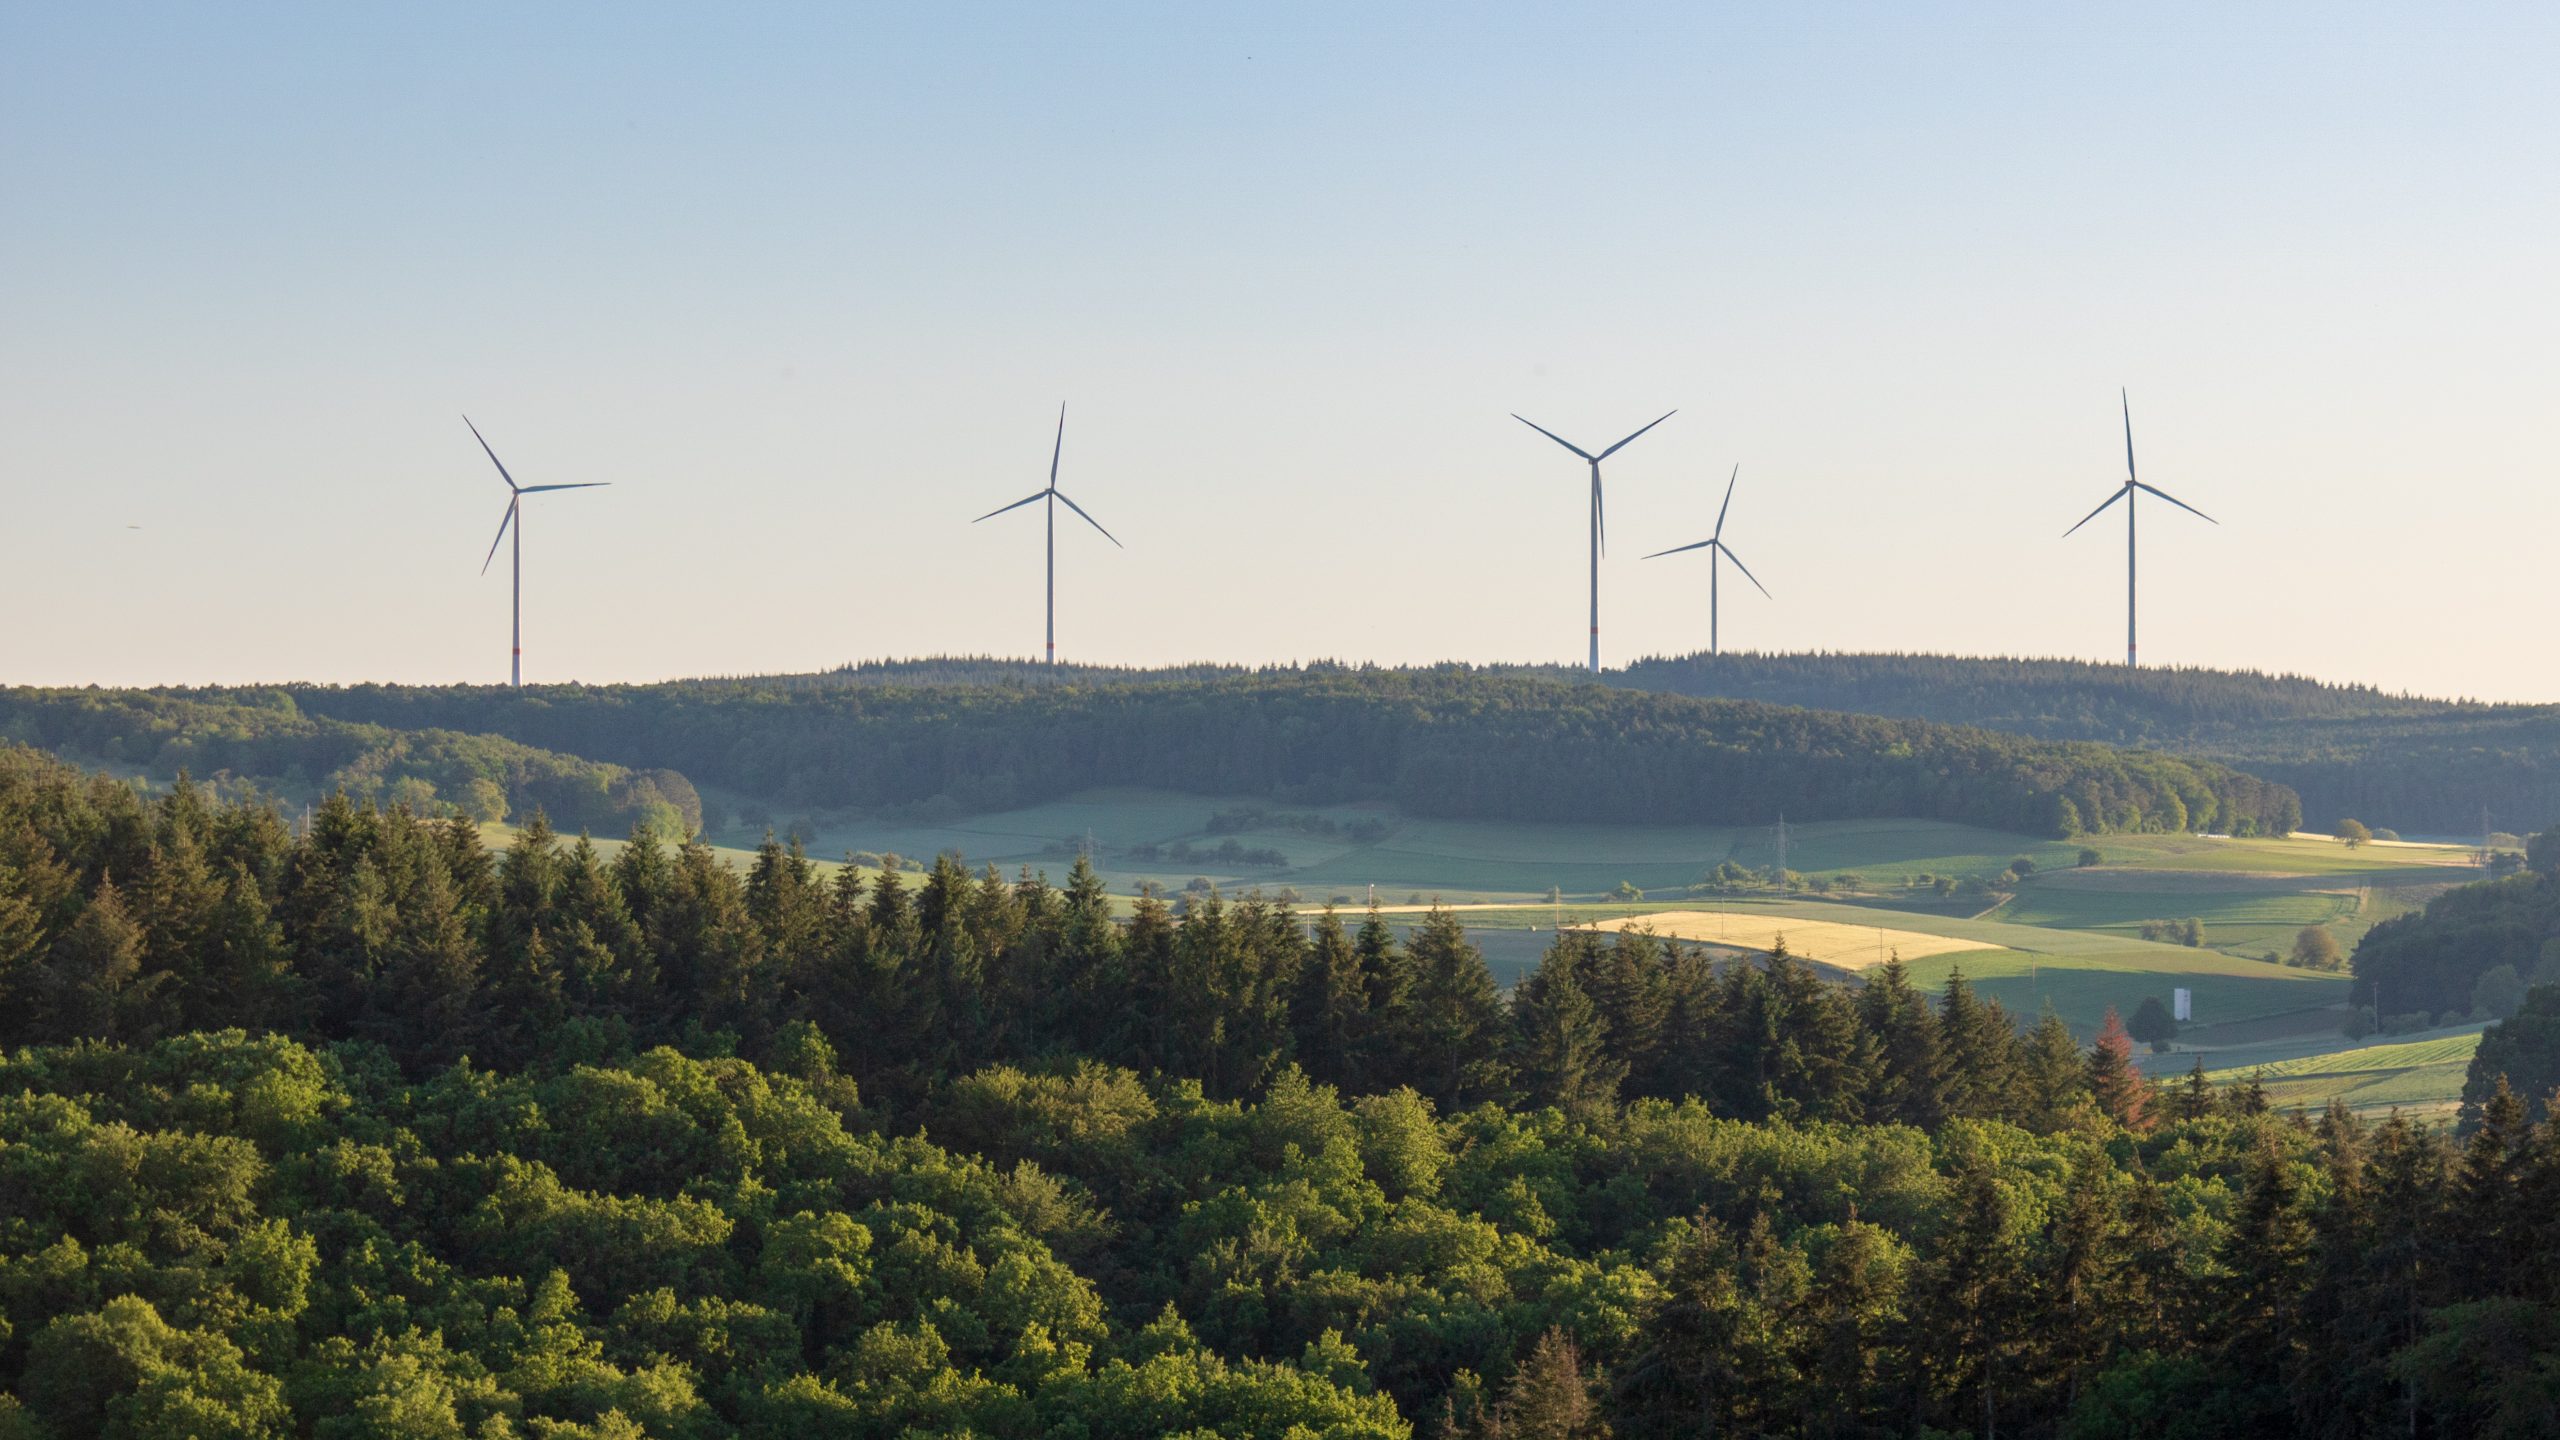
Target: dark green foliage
(2522, 1051)
(2422, 765)
(752, 1154)
(2431, 961)
(261, 742)
(1448, 742)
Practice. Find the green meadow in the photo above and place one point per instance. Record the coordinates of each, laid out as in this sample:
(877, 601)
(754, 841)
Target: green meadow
(2420, 1076)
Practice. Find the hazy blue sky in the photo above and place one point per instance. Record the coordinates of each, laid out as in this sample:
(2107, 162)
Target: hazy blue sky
(807, 285)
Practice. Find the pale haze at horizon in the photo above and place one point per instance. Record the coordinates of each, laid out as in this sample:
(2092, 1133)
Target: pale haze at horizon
(807, 286)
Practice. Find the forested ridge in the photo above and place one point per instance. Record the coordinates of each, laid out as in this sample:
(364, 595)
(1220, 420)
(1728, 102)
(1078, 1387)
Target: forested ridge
(368, 1131)
(2349, 750)
(1448, 743)
(260, 743)
(2419, 764)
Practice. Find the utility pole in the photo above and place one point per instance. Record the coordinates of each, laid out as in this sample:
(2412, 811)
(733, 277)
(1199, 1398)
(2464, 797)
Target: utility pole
(1782, 848)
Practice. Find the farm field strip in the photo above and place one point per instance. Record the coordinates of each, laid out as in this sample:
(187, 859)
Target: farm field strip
(1843, 947)
(2423, 1076)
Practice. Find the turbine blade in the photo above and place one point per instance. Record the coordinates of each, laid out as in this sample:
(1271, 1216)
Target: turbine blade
(1745, 569)
(1621, 445)
(1016, 505)
(1089, 520)
(2174, 500)
(2121, 492)
(1599, 508)
(1676, 549)
(2127, 401)
(503, 521)
(1059, 447)
(1550, 434)
(581, 485)
(492, 454)
(1728, 500)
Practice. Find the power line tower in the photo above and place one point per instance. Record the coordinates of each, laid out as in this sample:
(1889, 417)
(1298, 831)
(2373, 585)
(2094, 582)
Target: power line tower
(1782, 847)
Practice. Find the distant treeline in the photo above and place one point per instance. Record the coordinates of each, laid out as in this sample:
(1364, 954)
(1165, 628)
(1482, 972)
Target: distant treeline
(2417, 764)
(2349, 750)
(260, 742)
(1447, 743)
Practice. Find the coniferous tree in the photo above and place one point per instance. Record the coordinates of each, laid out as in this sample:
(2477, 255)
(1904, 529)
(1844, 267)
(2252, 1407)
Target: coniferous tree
(2115, 1086)
(1549, 1397)
(1453, 1021)
(2084, 1285)
(96, 969)
(427, 1005)
(1629, 982)
(1965, 1333)
(2192, 1097)
(1818, 1071)
(1908, 1082)
(2259, 1322)
(1564, 1054)
(2487, 1206)
(1852, 1313)
(1329, 1010)
(2052, 1077)
(1683, 1381)
(1978, 1054)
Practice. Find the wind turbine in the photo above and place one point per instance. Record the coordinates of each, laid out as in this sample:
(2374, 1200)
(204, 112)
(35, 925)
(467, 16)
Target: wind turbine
(1054, 496)
(515, 502)
(2125, 494)
(1599, 519)
(1718, 553)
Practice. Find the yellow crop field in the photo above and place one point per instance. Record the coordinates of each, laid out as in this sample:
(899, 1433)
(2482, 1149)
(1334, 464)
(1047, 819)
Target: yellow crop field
(1841, 946)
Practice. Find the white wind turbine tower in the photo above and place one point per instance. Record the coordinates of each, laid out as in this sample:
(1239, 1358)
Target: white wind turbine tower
(1717, 553)
(1055, 497)
(1599, 520)
(2125, 494)
(515, 503)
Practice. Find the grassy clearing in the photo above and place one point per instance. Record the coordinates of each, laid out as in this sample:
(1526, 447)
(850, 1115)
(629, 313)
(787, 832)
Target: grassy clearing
(2266, 855)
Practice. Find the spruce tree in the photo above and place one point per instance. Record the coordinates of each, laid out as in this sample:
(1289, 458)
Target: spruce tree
(1629, 981)
(2488, 1199)
(1565, 1057)
(2115, 1086)
(1978, 1052)
(1965, 1330)
(1908, 1082)
(96, 967)
(1549, 1398)
(1329, 1010)
(2052, 1076)
(2258, 1324)
(2192, 1098)
(1851, 1314)
(1453, 1022)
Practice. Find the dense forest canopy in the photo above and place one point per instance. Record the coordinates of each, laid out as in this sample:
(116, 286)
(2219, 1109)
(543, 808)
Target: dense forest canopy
(261, 742)
(1449, 743)
(2420, 765)
(368, 1131)
(2504, 932)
